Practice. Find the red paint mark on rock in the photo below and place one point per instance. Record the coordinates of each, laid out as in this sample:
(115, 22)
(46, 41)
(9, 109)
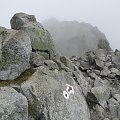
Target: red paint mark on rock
(68, 91)
(70, 88)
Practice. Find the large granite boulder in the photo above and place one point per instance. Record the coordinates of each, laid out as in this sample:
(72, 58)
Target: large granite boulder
(16, 45)
(45, 92)
(15, 53)
(40, 38)
(13, 105)
(19, 19)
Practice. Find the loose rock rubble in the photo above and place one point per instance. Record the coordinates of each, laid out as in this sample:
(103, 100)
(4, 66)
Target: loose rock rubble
(102, 72)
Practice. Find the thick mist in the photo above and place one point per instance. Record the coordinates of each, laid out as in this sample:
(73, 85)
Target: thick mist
(105, 14)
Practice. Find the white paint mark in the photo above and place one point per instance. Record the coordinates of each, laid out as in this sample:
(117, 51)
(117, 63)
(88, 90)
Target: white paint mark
(66, 95)
(68, 91)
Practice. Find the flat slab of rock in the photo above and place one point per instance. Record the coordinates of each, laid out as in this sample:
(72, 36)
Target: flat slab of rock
(45, 93)
(101, 92)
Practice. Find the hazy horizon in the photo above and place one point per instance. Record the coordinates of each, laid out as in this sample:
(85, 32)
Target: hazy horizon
(105, 14)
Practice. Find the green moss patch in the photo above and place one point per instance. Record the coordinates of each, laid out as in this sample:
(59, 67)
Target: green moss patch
(39, 44)
(40, 33)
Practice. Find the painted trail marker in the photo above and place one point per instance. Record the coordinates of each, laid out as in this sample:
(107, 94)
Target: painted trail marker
(66, 95)
(68, 91)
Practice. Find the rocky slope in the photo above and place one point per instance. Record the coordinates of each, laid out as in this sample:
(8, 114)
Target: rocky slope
(37, 83)
(101, 70)
(74, 38)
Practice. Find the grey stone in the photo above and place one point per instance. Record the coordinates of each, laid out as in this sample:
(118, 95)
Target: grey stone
(104, 44)
(91, 57)
(114, 108)
(114, 70)
(116, 60)
(107, 64)
(105, 72)
(100, 111)
(100, 54)
(101, 92)
(67, 62)
(117, 52)
(100, 82)
(85, 65)
(44, 91)
(82, 81)
(116, 119)
(118, 73)
(51, 64)
(97, 72)
(112, 75)
(40, 38)
(117, 96)
(13, 105)
(19, 19)
(99, 63)
(36, 59)
(77, 63)
(106, 119)
(92, 75)
(15, 56)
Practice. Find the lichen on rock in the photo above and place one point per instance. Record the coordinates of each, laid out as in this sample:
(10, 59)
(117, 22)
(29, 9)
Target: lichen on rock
(16, 45)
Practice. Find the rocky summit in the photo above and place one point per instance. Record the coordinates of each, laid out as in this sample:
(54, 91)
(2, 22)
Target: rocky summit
(37, 83)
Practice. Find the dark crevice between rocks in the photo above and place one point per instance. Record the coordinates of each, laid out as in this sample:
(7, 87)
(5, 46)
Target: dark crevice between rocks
(32, 108)
(23, 77)
(75, 78)
(92, 101)
(44, 51)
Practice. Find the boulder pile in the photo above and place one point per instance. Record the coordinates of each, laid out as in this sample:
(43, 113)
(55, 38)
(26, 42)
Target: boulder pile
(101, 70)
(16, 45)
(37, 83)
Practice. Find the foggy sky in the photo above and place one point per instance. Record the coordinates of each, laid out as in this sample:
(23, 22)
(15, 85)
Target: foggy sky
(105, 14)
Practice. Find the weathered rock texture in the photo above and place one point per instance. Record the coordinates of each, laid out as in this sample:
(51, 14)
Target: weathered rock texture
(40, 38)
(17, 44)
(13, 105)
(38, 84)
(103, 75)
(44, 91)
(36, 77)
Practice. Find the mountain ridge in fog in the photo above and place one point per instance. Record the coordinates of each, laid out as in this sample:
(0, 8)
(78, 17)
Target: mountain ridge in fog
(75, 38)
